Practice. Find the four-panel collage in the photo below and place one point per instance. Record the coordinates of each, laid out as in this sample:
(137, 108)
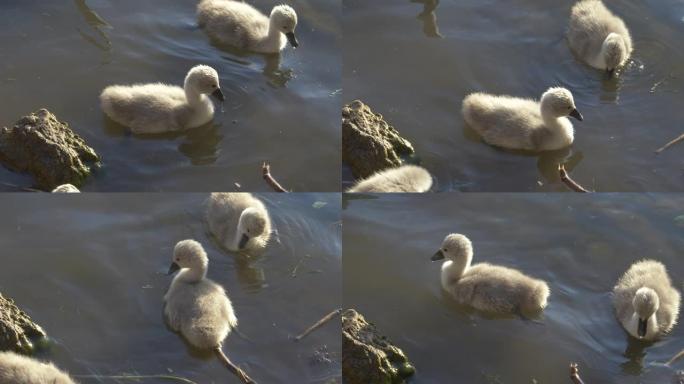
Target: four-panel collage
(341, 191)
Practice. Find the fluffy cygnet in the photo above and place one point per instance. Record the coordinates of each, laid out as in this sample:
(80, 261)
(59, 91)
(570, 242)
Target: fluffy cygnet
(239, 221)
(197, 307)
(484, 286)
(646, 303)
(598, 37)
(158, 108)
(515, 123)
(407, 178)
(241, 25)
(18, 369)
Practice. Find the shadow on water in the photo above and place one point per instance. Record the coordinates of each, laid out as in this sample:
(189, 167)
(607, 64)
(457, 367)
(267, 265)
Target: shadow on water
(429, 17)
(97, 24)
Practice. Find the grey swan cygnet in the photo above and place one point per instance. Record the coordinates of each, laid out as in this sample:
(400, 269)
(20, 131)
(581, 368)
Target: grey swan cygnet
(197, 307)
(406, 178)
(239, 221)
(645, 302)
(487, 287)
(159, 108)
(598, 37)
(241, 25)
(515, 123)
(18, 369)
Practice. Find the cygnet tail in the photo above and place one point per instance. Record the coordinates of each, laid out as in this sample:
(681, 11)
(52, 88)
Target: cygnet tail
(538, 297)
(473, 108)
(242, 375)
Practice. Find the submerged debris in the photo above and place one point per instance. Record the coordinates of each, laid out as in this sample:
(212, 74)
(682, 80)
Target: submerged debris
(367, 356)
(47, 149)
(369, 143)
(17, 330)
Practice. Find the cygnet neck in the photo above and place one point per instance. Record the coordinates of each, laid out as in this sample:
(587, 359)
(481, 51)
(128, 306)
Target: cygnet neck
(194, 97)
(273, 31)
(457, 268)
(550, 120)
(194, 274)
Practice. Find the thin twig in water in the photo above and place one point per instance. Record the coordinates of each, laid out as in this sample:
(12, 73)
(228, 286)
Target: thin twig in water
(266, 172)
(319, 323)
(136, 377)
(671, 143)
(676, 357)
(237, 371)
(569, 182)
(574, 374)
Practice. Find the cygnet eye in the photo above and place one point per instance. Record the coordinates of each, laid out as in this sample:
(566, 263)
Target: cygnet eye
(445, 250)
(214, 86)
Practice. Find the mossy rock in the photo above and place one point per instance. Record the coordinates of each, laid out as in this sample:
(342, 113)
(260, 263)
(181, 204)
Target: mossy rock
(367, 356)
(369, 143)
(17, 331)
(48, 149)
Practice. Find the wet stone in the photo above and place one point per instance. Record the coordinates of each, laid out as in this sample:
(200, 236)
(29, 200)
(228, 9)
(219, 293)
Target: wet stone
(48, 149)
(369, 143)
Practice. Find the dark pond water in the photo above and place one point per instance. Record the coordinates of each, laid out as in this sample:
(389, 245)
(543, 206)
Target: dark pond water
(580, 246)
(91, 270)
(60, 54)
(394, 62)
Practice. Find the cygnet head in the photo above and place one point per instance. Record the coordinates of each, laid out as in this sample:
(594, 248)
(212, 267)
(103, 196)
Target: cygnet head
(189, 254)
(455, 247)
(284, 18)
(558, 102)
(252, 224)
(614, 52)
(646, 304)
(204, 80)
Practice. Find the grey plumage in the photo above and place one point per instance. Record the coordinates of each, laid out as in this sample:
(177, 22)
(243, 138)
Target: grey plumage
(515, 123)
(158, 108)
(645, 292)
(239, 24)
(484, 286)
(18, 369)
(194, 305)
(233, 215)
(406, 178)
(597, 36)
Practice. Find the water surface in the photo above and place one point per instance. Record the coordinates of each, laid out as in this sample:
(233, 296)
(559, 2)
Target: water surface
(91, 270)
(579, 245)
(395, 61)
(60, 54)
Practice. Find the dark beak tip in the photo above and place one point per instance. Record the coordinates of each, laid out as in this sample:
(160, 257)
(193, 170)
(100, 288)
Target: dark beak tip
(218, 94)
(437, 256)
(292, 39)
(173, 268)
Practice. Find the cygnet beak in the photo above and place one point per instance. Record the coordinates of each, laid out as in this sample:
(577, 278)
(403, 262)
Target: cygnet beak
(610, 72)
(575, 113)
(219, 95)
(641, 331)
(174, 268)
(243, 241)
(439, 255)
(292, 39)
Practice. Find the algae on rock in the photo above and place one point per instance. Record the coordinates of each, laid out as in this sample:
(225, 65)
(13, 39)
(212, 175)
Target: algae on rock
(369, 143)
(47, 149)
(367, 356)
(16, 328)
